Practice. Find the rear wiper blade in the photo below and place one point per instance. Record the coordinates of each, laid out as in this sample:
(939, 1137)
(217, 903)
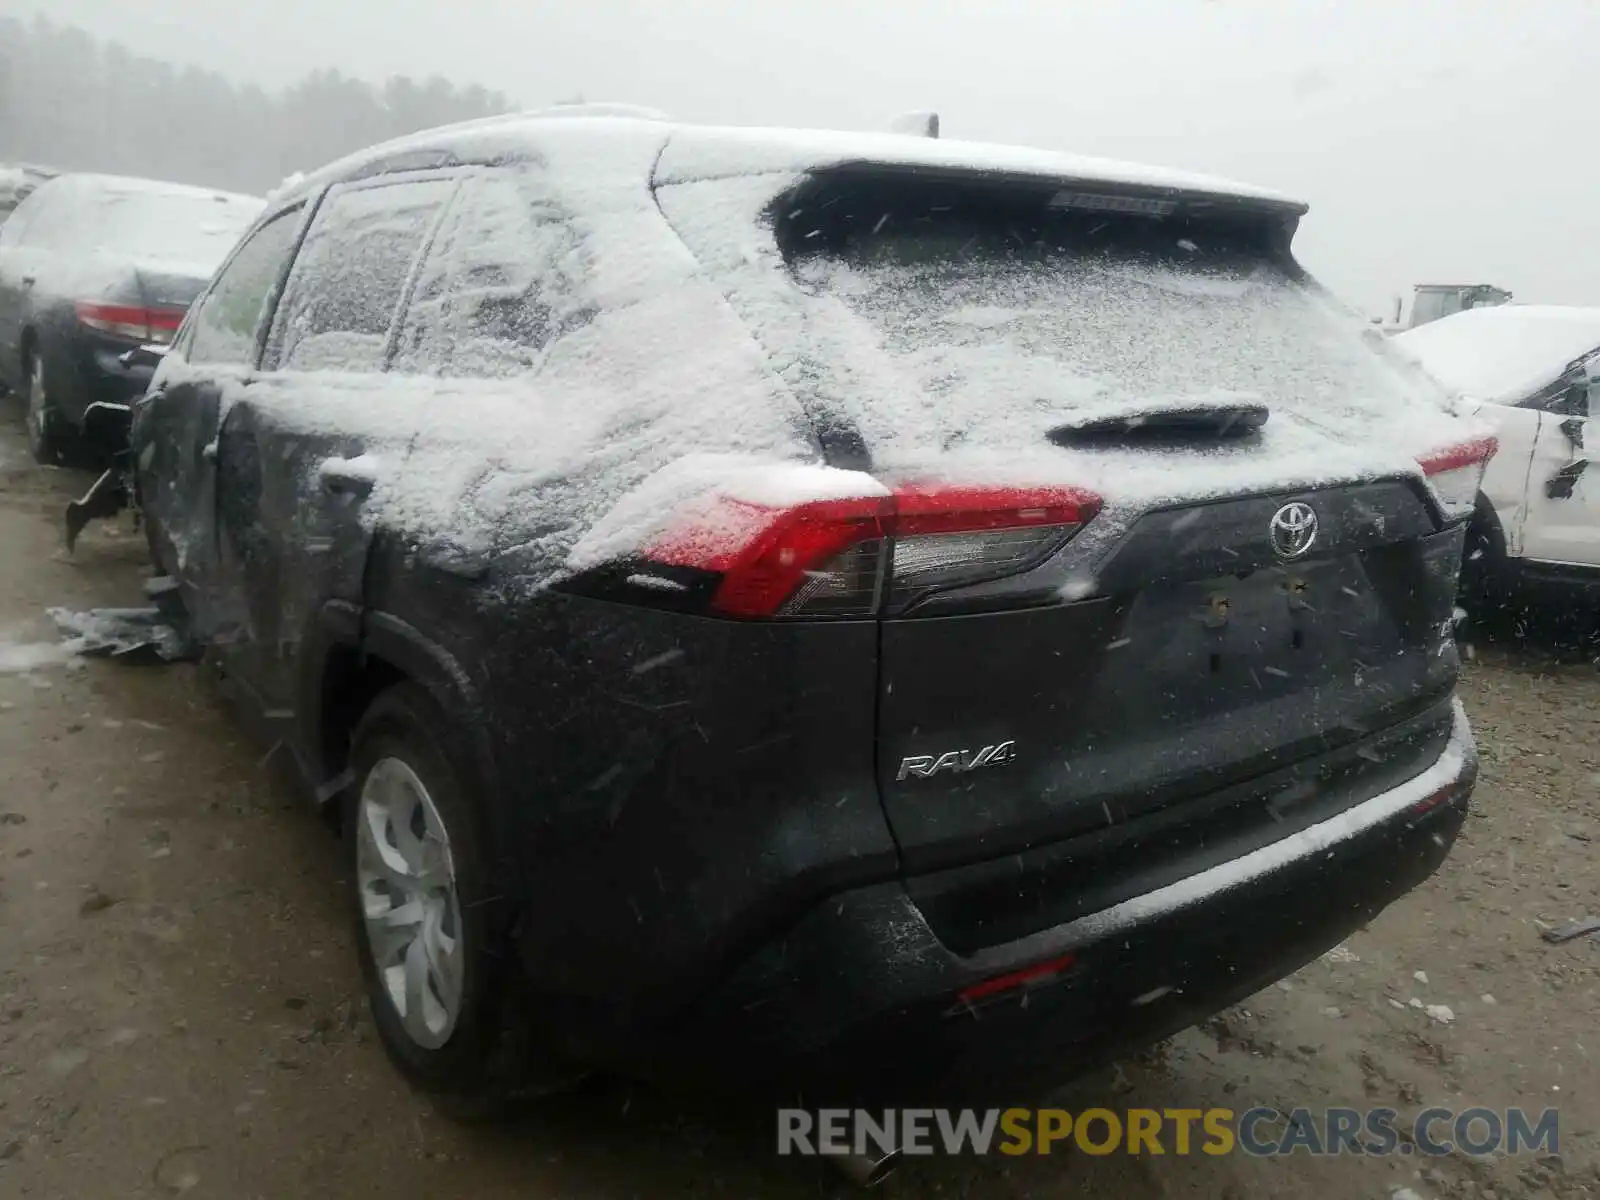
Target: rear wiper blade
(1168, 425)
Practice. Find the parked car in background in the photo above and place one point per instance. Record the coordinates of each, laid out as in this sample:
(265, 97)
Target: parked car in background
(1534, 372)
(884, 612)
(92, 266)
(17, 182)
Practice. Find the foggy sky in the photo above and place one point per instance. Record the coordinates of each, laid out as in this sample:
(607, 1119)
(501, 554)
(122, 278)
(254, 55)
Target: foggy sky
(1437, 140)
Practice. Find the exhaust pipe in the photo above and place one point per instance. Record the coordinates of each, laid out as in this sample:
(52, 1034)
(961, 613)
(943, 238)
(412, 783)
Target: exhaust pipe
(867, 1170)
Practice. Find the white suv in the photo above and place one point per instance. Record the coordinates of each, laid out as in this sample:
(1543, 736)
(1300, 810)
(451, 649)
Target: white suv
(1535, 373)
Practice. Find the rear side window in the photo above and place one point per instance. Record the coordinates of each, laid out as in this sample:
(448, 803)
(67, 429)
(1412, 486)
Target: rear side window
(350, 277)
(503, 282)
(229, 318)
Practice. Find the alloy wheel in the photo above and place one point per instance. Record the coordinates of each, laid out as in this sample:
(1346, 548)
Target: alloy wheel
(409, 901)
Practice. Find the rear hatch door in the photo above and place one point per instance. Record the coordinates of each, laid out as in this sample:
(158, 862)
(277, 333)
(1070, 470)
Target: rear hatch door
(1196, 592)
(1269, 576)
(1200, 658)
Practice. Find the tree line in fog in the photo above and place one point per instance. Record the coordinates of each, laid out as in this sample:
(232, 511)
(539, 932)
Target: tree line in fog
(71, 101)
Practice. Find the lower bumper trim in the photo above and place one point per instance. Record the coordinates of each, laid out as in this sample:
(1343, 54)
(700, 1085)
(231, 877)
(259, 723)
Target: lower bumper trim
(1455, 763)
(861, 996)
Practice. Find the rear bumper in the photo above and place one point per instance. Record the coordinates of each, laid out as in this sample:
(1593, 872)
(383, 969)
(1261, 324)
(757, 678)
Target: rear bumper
(107, 379)
(860, 999)
(89, 371)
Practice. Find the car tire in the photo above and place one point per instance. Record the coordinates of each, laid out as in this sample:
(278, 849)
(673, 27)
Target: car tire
(46, 442)
(442, 981)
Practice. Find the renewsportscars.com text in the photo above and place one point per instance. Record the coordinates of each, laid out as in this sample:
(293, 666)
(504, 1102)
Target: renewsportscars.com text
(1260, 1132)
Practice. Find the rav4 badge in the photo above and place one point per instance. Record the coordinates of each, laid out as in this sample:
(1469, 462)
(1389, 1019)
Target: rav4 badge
(958, 761)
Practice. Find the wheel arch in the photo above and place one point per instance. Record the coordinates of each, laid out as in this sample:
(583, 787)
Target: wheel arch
(1486, 568)
(1486, 520)
(354, 656)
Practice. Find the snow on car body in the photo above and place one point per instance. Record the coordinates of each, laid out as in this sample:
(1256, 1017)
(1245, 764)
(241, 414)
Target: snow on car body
(1533, 372)
(845, 577)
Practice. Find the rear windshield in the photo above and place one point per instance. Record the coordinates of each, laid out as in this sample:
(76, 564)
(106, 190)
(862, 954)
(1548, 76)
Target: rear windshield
(1054, 305)
(179, 227)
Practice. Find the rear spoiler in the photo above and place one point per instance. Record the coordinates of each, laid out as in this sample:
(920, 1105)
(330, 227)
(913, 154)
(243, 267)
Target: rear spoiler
(696, 154)
(1068, 192)
(795, 208)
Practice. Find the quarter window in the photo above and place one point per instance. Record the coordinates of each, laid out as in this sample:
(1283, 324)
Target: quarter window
(503, 281)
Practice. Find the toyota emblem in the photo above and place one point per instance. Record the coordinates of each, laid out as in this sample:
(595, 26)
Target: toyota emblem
(1294, 529)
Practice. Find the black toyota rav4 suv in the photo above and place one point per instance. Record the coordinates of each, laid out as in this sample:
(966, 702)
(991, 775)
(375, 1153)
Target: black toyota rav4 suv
(870, 611)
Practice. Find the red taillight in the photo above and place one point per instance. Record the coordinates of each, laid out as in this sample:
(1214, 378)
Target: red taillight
(1473, 453)
(134, 322)
(765, 554)
(1456, 473)
(165, 320)
(834, 557)
(929, 509)
(1012, 980)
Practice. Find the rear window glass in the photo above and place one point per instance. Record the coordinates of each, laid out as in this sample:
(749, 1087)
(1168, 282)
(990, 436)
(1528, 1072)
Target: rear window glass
(193, 229)
(1027, 302)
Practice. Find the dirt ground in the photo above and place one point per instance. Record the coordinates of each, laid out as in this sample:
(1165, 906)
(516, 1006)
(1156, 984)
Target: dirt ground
(180, 1012)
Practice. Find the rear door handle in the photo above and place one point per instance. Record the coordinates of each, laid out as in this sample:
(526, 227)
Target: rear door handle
(29, 280)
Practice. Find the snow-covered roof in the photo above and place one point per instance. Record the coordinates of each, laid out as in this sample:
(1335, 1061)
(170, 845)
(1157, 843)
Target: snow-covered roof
(1503, 353)
(18, 181)
(697, 152)
(597, 108)
(132, 184)
(16, 171)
